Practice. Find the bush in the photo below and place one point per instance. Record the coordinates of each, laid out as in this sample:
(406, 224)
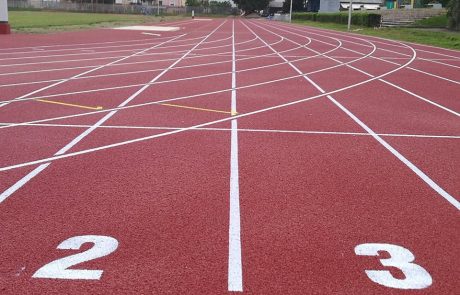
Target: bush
(453, 15)
(360, 19)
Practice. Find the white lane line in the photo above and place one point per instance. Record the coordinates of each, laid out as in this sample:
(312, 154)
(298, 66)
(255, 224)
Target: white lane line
(385, 81)
(369, 75)
(386, 59)
(181, 97)
(63, 150)
(151, 34)
(86, 48)
(148, 28)
(80, 53)
(146, 42)
(235, 269)
(115, 51)
(440, 62)
(15, 49)
(183, 79)
(74, 46)
(89, 71)
(315, 132)
(204, 94)
(398, 155)
(403, 159)
(456, 58)
(192, 56)
(22, 181)
(120, 73)
(152, 54)
(145, 138)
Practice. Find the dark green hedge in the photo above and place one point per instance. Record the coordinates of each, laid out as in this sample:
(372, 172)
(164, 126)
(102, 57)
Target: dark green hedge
(453, 15)
(359, 19)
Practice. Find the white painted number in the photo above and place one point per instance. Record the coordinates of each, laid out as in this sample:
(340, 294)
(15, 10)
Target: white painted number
(416, 277)
(58, 269)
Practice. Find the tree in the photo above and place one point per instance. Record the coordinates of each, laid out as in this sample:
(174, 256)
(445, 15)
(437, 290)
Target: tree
(251, 5)
(297, 5)
(453, 15)
(220, 4)
(193, 3)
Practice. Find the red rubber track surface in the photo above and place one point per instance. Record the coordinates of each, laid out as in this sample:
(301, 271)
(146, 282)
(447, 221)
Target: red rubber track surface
(326, 141)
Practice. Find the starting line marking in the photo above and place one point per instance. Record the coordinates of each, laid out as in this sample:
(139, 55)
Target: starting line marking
(306, 132)
(148, 28)
(197, 109)
(70, 104)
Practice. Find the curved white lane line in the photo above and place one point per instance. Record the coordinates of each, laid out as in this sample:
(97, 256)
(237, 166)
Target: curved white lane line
(121, 64)
(182, 97)
(3, 103)
(453, 201)
(389, 83)
(383, 49)
(135, 85)
(178, 52)
(88, 131)
(142, 45)
(89, 44)
(140, 139)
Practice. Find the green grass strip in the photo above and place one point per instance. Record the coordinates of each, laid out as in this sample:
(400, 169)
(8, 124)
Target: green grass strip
(435, 37)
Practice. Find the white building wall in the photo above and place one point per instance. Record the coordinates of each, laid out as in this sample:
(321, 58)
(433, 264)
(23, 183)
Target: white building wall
(3, 11)
(276, 3)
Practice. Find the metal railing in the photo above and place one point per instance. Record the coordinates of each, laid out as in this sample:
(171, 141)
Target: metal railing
(78, 6)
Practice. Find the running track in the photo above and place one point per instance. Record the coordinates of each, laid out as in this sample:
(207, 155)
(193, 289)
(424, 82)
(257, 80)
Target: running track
(230, 155)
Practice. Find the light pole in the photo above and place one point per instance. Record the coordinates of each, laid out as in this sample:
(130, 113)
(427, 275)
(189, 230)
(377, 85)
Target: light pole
(290, 13)
(349, 14)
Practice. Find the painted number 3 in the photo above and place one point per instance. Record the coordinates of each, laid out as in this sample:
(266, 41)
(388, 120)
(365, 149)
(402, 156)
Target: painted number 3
(58, 269)
(416, 277)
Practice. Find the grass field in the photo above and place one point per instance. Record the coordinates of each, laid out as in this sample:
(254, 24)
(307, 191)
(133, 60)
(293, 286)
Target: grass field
(43, 21)
(439, 21)
(436, 37)
(46, 21)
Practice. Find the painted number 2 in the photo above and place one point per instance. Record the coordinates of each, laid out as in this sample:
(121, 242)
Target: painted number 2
(416, 277)
(58, 269)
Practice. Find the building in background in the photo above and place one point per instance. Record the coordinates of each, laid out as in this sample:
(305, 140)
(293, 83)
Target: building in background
(176, 3)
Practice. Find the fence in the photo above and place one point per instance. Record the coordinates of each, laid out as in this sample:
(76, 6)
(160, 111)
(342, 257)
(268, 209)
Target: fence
(80, 6)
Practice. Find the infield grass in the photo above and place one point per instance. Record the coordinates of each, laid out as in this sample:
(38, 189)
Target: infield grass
(429, 36)
(45, 21)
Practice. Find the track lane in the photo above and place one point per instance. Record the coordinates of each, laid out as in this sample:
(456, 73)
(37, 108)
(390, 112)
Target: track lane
(75, 141)
(317, 198)
(274, 230)
(150, 209)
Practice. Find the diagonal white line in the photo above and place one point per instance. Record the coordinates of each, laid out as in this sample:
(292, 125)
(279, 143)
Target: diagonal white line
(63, 150)
(89, 71)
(398, 155)
(382, 80)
